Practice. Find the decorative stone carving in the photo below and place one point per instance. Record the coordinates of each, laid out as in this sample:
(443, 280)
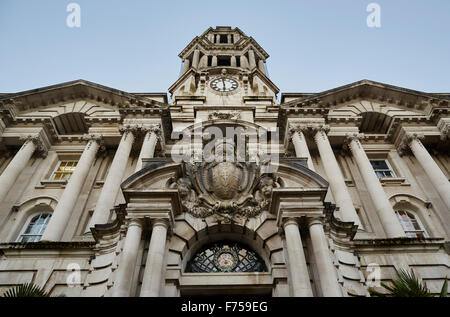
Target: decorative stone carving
(41, 148)
(444, 127)
(234, 115)
(155, 128)
(95, 138)
(225, 189)
(403, 147)
(349, 137)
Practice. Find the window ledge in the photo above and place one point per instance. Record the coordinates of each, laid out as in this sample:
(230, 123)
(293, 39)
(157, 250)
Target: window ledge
(386, 181)
(49, 183)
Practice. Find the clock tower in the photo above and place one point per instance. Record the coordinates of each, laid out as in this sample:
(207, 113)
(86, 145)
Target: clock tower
(223, 75)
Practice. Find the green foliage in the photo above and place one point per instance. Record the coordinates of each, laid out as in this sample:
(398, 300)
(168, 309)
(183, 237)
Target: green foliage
(407, 285)
(26, 290)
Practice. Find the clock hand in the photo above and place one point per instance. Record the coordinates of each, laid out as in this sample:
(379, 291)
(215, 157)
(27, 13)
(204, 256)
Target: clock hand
(223, 83)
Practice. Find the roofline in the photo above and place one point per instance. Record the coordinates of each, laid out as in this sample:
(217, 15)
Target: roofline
(372, 83)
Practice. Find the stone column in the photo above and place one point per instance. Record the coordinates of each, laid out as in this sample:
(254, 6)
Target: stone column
(383, 207)
(18, 164)
(244, 62)
(261, 66)
(327, 273)
(233, 61)
(148, 145)
(301, 284)
(125, 271)
(214, 61)
(63, 210)
(437, 177)
(185, 65)
(335, 177)
(203, 62)
(111, 186)
(301, 148)
(251, 59)
(195, 58)
(151, 281)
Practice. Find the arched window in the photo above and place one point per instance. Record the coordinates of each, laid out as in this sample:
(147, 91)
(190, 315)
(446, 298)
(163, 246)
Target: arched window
(226, 256)
(412, 226)
(35, 228)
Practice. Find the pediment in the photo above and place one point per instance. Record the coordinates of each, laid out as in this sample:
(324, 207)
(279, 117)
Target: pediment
(87, 107)
(391, 97)
(358, 107)
(77, 96)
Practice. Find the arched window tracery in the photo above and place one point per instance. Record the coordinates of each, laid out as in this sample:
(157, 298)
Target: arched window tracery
(226, 256)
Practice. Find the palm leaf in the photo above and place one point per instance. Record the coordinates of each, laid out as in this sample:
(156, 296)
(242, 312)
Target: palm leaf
(26, 290)
(405, 285)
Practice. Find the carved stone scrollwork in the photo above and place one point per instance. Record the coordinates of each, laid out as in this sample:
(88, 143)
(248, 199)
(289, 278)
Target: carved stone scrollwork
(320, 128)
(154, 128)
(95, 138)
(293, 128)
(128, 128)
(444, 127)
(225, 189)
(224, 116)
(403, 147)
(349, 137)
(41, 148)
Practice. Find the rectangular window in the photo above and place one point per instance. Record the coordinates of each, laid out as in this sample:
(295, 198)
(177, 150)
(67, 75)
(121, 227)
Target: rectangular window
(224, 61)
(64, 170)
(223, 39)
(382, 168)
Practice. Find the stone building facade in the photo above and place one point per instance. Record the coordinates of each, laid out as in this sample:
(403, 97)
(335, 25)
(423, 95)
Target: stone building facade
(110, 193)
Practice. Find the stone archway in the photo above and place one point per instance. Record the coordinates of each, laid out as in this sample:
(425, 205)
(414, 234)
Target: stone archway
(183, 206)
(260, 235)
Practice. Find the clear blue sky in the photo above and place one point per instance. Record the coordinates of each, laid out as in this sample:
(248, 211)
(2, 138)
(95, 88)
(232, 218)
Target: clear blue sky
(313, 45)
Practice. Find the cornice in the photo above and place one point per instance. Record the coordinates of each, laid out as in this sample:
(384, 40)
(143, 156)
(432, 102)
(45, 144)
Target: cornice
(366, 89)
(13, 104)
(48, 245)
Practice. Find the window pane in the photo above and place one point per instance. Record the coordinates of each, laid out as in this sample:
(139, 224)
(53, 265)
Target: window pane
(379, 164)
(35, 228)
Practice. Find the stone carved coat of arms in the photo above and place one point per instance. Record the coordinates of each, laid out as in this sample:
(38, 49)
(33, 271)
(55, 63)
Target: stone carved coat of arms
(225, 188)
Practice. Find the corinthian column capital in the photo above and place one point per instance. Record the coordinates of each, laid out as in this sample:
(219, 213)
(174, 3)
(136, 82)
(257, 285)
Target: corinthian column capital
(350, 137)
(444, 127)
(41, 148)
(296, 128)
(154, 128)
(403, 146)
(97, 138)
(320, 128)
(128, 128)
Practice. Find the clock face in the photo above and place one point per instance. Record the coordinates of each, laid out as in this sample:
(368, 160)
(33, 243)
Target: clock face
(224, 84)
